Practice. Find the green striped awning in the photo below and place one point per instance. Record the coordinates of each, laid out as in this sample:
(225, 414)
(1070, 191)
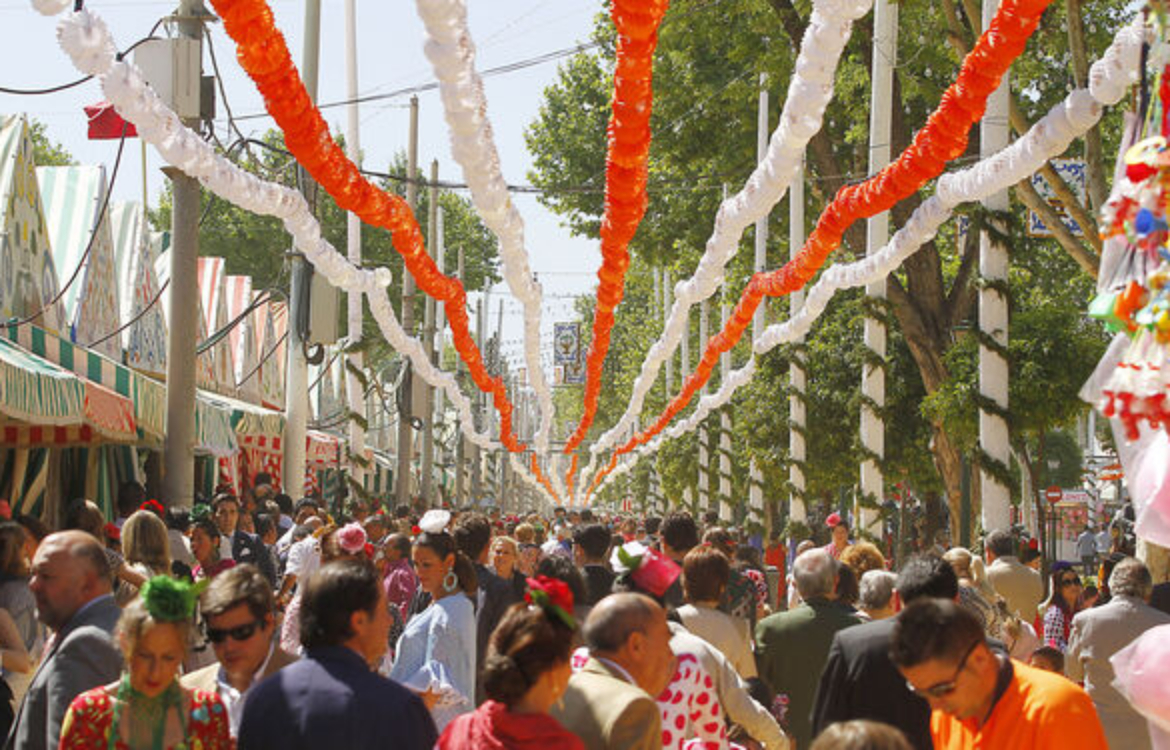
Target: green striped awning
(34, 391)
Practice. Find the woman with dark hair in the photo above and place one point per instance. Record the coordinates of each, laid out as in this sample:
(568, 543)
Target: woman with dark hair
(563, 569)
(1065, 589)
(525, 673)
(205, 539)
(436, 653)
(21, 633)
(705, 574)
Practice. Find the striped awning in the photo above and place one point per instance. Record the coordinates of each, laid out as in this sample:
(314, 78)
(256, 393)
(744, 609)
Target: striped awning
(37, 396)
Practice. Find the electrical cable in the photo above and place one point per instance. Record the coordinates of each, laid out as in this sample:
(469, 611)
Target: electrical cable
(219, 335)
(133, 320)
(270, 352)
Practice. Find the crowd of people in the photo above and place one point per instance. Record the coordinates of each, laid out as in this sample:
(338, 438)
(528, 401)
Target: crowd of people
(256, 622)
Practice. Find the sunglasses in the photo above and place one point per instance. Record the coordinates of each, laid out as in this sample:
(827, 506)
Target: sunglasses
(238, 633)
(1074, 581)
(943, 689)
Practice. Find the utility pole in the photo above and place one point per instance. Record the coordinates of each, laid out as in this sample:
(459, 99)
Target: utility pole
(705, 501)
(296, 376)
(460, 440)
(428, 452)
(797, 377)
(405, 436)
(993, 321)
(726, 512)
(436, 346)
(353, 237)
(179, 443)
(873, 377)
(666, 296)
(477, 462)
(756, 510)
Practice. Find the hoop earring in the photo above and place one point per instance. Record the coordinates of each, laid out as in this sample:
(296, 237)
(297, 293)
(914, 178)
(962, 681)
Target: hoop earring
(450, 581)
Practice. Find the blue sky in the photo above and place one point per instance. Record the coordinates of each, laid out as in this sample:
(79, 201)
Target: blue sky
(390, 42)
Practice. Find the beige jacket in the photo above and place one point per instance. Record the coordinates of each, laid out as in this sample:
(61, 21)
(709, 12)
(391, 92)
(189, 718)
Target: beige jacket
(609, 713)
(1020, 586)
(731, 635)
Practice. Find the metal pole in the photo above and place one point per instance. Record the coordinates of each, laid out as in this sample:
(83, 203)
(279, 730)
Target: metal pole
(296, 379)
(460, 440)
(873, 378)
(756, 510)
(353, 229)
(428, 452)
(993, 317)
(797, 377)
(725, 508)
(179, 443)
(438, 400)
(477, 462)
(705, 500)
(405, 436)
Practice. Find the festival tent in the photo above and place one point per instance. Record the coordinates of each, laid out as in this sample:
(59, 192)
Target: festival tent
(74, 199)
(213, 296)
(273, 345)
(145, 336)
(243, 338)
(28, 276)
(160, 245)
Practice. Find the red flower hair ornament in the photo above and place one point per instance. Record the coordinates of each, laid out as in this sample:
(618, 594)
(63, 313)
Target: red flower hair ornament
(154, 506)
(554, 597)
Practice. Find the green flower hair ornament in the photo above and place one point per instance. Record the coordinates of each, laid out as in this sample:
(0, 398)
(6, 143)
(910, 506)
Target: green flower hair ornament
(171, 600)
(200, 511)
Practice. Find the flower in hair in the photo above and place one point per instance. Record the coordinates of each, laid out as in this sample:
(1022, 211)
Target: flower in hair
(651, 571)
(435, 521)
(154, 506)
(554, 597)
(352, 538)
(171, 600)
(200, 511)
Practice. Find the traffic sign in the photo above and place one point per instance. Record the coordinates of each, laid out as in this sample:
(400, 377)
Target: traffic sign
(1053, 494)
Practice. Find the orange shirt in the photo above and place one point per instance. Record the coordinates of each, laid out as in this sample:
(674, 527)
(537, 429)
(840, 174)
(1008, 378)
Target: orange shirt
(1039, 711)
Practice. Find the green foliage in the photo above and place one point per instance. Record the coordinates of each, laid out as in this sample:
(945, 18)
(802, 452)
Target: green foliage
(47, 153)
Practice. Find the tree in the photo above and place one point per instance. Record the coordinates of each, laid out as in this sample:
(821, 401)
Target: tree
(46, 152)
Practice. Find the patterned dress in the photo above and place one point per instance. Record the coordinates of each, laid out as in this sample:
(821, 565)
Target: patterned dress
(90, 718)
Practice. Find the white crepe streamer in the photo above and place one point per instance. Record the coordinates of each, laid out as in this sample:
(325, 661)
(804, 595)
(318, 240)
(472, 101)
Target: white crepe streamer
(51, 7)
(529, 478)
(809, 93)
(452, 54)
(85, 39)
(1110, 78)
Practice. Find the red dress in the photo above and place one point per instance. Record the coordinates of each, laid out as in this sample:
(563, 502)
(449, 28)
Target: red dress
(87, 724)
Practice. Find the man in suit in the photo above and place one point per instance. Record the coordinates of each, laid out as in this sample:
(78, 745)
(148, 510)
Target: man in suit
(72, 583)
(792, 646)
(332, 697)
(237, 544)
(1020, 586)
(860, 681)
(609, 703)
(1100, 632)
(590, 547)
(473, 536)
(238, 608)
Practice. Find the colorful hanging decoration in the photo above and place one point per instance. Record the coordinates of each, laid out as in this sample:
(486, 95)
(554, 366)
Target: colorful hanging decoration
(542, 479)
(637, 23)
(943, 138)
(263, 53)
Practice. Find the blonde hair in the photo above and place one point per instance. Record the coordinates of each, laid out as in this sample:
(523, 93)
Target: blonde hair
(136, 620)
(509, 541)
(144, 540)
(970, 566)
(525, 533)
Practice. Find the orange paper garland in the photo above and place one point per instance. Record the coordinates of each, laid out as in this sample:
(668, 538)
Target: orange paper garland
(943, 138)
(263, 53)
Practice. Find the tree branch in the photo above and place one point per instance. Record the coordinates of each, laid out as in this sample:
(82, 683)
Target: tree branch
(1032, 199)
(1094, 157)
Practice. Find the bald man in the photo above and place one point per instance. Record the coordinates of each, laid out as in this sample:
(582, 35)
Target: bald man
(609, 703)
(71, 582)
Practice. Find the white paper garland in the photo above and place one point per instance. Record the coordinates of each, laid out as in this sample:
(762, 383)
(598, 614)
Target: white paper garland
(529, 478)
(809, 94)
(86, 40)
(1110, 77)
(451, 51)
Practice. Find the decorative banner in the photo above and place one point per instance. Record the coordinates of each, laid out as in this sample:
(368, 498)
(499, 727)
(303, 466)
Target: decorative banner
(262, 52)
(566, 343)
(452, 55)
(1073, 172)
(809, 92)
(637, 23)
(943, 138)
(1109, 79)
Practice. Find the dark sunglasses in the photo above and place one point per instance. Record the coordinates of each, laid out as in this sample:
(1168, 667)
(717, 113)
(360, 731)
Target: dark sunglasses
(1074, 581)
(944, 688)
(238, 633)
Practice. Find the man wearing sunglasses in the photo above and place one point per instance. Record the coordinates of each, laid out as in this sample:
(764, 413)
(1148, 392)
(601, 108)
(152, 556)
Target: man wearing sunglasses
(981, 699)
(238, 611)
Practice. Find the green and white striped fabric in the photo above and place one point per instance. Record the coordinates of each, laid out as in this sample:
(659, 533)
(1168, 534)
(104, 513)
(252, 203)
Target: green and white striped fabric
(34, 391)
(145, 340)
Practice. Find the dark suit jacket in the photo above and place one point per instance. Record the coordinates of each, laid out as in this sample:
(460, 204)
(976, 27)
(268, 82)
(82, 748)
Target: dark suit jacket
(247, 548)
(791, 649)
(1160, 598)
(494, 597)
(330, 698)
(83, 656)
(860, 682)
(598, 583)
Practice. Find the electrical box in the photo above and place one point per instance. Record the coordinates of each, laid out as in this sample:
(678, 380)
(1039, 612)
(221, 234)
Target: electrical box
(323, 311)
(173, 68)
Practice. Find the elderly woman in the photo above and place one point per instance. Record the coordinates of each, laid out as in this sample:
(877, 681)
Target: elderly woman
(148, 708)
(975, 592)
(525, 673)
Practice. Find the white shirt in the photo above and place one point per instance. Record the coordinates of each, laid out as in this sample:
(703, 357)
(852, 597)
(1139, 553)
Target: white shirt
(304, 558)
(619, 669)
(232, 698)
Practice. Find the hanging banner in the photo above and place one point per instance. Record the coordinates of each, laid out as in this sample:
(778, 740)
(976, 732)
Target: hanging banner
(1073, 172)
(566, 343)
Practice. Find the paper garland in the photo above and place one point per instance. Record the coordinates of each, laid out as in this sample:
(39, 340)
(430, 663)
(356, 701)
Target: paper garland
(637, 23)
(264, 55)
(943, 138)
(809, 93)
(85, 38)
(451, 51)
(1109, 79)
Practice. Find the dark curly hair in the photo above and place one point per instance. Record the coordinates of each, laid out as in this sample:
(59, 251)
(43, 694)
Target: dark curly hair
(526, 644)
